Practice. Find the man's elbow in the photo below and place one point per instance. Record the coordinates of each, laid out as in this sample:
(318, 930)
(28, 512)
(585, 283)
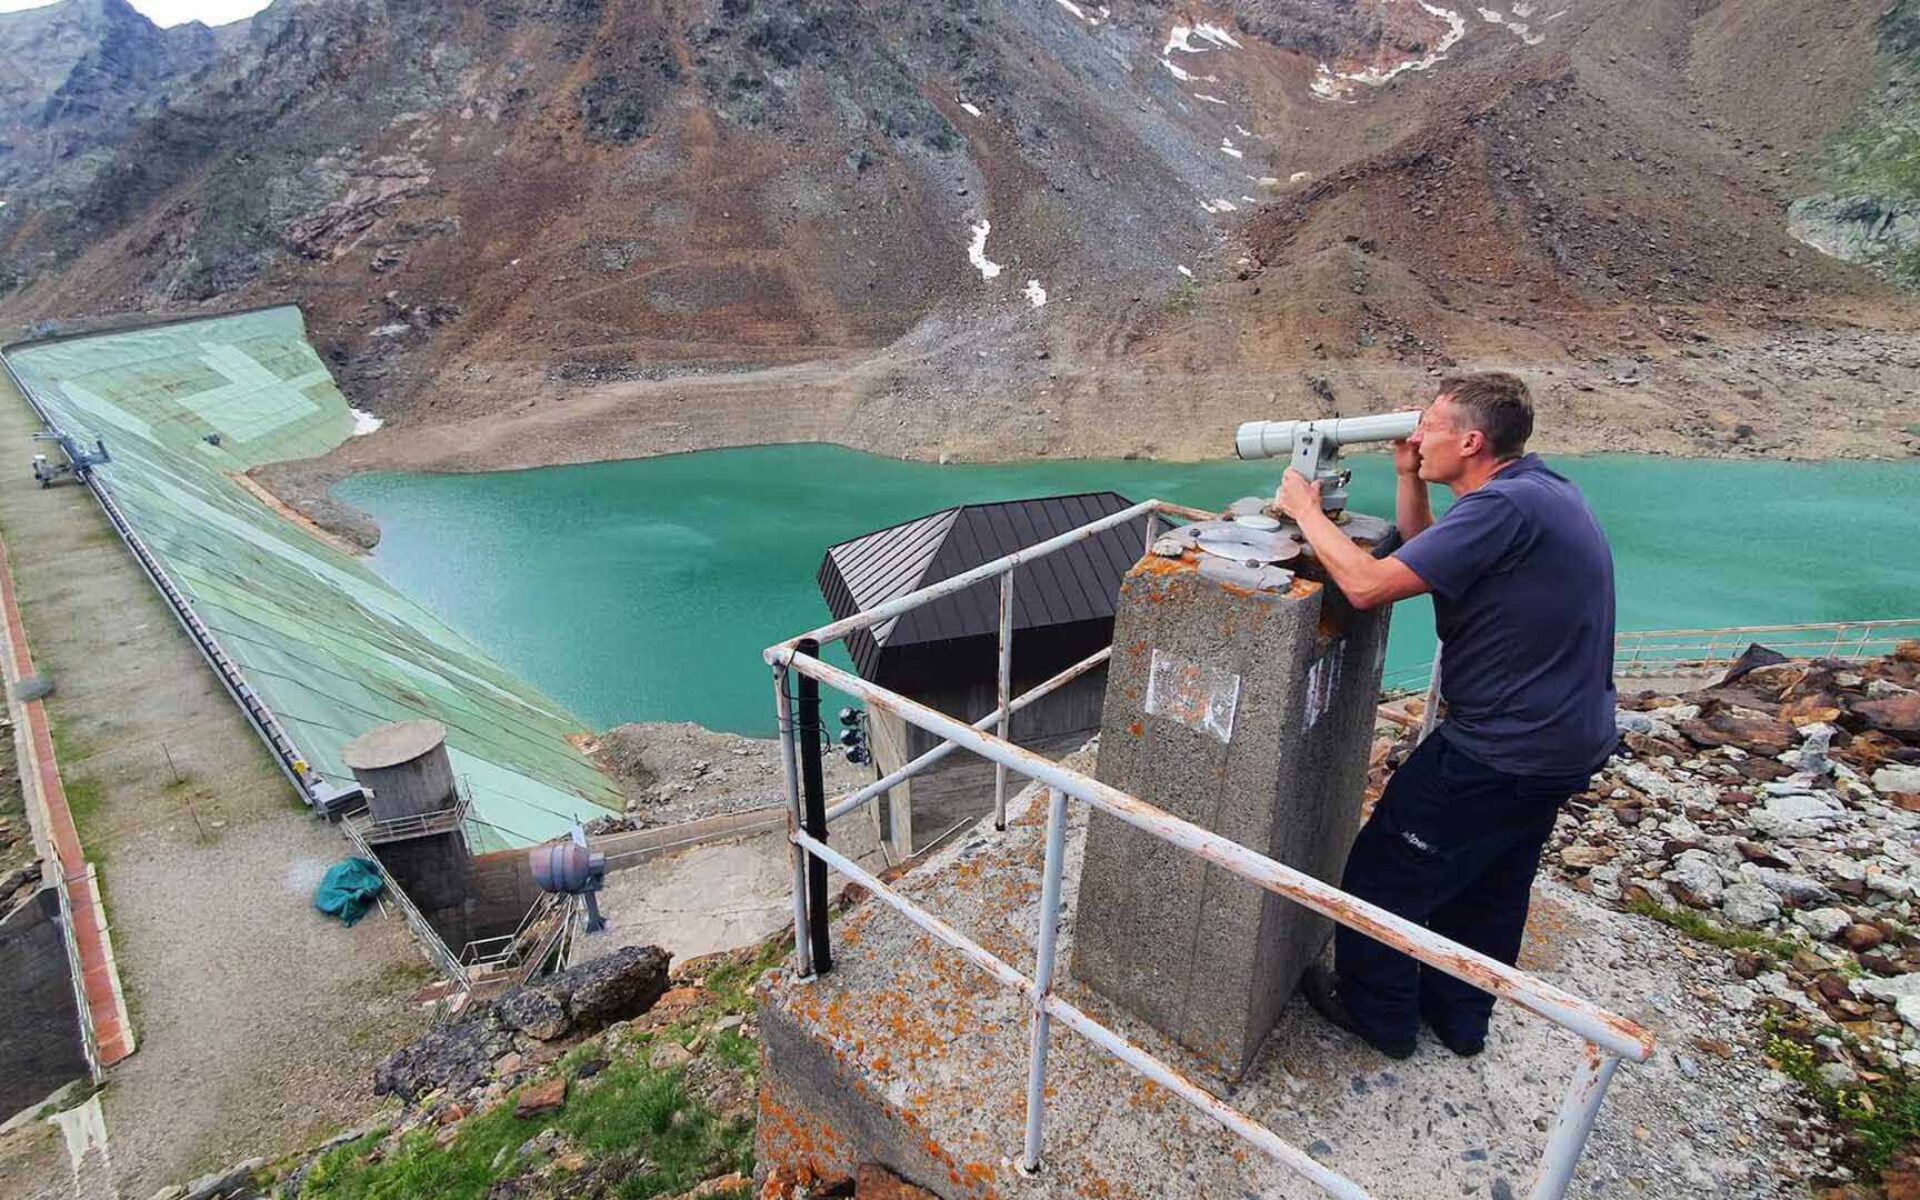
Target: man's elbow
(1366, 598)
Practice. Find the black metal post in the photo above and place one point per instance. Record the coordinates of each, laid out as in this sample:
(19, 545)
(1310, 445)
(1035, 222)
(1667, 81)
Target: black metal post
(814, 797)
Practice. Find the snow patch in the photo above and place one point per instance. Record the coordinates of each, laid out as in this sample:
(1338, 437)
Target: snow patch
(1329, 84)
(1491, 17)
(1187, 273)
(1077, 11)
(1207, 98)
(1218, 205)
(1243, 131)
(1266, 181)
(393, 330)
(1035, 294)
(1227, 147)
(969, 109)
(364, 422)
(1298, 177)
(1216, 35)
(977, 251)
(1187, 76)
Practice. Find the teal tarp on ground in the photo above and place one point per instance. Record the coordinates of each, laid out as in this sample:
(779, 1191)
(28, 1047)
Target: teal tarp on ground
(186, 410)
(349, 890)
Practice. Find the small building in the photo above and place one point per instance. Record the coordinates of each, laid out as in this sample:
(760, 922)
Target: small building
(944, 654)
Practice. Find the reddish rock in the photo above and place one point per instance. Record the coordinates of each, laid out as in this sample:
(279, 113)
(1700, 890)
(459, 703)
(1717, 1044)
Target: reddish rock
(1861, 937)
(1896, 715)
(538, 1099)
(1756, 735)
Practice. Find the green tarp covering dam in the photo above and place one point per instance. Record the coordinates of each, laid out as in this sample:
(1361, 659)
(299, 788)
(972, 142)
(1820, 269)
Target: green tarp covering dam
(332, 649)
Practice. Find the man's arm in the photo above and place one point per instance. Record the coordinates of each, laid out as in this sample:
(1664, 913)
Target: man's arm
(1412, 512)
(1368, 582)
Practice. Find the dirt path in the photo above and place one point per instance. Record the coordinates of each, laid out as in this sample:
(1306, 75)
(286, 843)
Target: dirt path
(258, 1020)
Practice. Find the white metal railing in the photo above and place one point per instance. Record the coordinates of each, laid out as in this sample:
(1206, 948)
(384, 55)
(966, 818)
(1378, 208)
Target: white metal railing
(1607, 1037)
(423, 929)
(442, 820)
(1643, 653)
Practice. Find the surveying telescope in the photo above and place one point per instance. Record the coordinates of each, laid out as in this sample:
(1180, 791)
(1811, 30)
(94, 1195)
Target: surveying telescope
(1315, 446)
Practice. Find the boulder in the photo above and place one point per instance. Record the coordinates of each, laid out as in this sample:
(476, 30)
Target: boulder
(535, 1012)
(1695, 871)
(1796, 814)
(1755, 734)
(1897, 777)
(619, 987)
(1895, 715)
(455, 1057)
(1750, 905)
(1823, 923)
(589, 997)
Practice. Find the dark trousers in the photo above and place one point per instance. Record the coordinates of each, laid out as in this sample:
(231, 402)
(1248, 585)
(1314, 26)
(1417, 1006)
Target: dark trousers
(1452, 845)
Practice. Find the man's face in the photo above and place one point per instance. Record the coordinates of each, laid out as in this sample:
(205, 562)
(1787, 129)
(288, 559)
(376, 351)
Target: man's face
(1442, 452)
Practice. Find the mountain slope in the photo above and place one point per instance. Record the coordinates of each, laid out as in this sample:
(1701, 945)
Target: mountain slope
(563, 229)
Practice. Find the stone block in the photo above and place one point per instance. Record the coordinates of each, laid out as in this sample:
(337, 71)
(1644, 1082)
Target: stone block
(1248, 711)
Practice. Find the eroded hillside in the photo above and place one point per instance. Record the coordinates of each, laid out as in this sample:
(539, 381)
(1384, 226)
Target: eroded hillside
(548, 230)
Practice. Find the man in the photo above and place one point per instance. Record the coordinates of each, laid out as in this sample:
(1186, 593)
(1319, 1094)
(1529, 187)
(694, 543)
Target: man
(1522, 584)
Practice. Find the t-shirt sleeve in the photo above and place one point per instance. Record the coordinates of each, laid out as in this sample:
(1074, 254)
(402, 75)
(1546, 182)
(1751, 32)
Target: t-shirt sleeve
(1477, 535)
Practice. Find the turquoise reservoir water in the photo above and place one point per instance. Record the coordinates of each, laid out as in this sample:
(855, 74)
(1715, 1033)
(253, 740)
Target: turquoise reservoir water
(645, 590)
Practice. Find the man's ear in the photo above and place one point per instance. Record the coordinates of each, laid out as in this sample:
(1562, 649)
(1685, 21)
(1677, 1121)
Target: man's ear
(1472, 442)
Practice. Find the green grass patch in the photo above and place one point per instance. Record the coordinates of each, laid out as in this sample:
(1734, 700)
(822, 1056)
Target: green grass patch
(1880, 1121)
(86, 798)
(628, 1110)
(1713, 933)
(1185, 298)
(732, 985)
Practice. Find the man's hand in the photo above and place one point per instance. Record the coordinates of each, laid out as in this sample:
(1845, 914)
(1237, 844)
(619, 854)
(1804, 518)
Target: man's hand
(1406, 458)
(1298, 496)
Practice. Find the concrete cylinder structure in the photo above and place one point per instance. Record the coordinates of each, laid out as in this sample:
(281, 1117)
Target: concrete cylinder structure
(404, 768)
(1247, 710)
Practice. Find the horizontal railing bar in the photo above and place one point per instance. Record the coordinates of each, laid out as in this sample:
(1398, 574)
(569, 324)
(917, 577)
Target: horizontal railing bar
(988, 570)
(1877, 623)
(855, 799)
(1616, 1034)
(1230, 1118)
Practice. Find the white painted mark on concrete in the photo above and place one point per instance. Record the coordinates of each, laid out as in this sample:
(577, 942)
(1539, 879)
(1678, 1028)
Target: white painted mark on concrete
(1323, 681)
(1202, 698)
(977, 251)
(85, 1129)
(1035, 294)
(364, 422)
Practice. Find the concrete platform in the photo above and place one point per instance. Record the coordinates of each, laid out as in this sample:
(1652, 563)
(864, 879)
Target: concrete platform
(910, 1056)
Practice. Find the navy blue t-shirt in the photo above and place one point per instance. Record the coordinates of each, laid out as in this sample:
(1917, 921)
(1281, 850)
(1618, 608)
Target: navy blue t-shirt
(1522, 581)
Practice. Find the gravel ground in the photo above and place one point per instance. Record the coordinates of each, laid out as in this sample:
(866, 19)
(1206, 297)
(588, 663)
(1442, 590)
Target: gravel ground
(681, 772)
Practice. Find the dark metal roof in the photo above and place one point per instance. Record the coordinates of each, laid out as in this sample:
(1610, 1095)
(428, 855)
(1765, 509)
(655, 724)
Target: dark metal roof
(1079, 583)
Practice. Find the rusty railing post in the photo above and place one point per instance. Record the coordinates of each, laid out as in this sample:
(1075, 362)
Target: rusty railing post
(1005, 681)
(1043, 974)
(1591, 1074)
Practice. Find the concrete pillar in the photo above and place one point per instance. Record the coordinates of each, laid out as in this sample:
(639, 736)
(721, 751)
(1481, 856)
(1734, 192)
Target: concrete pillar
(1248, 710)
(405, 769)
